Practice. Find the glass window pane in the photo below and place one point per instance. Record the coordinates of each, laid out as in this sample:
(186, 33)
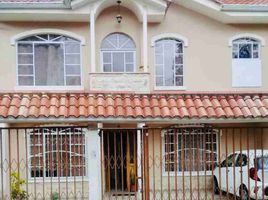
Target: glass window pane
(129, 68)
(179, 70)
(72, 47)
(159, 70)
(123, 40)
(255, 54)
(72, 59)
(179, 47)
(159, 81)
(159, 59)
(245, 51)
(107, 68)
(49, 68)
(25, 69)
(107, 57)
(73, 69)
(235, 54)
(158, 48)
(118, 62)
(168, 64)
(25, 48)
(129, 57)
(73, 80)
(26, 80)
(25, 59)
(179, 59)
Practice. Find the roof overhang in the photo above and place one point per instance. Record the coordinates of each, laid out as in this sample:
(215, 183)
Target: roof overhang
(78, 10)
(228, 13)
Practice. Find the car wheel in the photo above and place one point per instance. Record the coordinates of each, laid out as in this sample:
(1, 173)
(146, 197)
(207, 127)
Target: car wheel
(216, 186)
(243, 193)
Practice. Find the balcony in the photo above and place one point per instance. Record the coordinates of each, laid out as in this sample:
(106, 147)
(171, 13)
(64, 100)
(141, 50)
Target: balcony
(120, 82)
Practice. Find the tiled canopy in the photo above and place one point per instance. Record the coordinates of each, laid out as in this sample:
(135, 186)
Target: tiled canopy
(133, 106)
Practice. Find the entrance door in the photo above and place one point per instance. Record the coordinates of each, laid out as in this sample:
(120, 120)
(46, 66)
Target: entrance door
(120, 161)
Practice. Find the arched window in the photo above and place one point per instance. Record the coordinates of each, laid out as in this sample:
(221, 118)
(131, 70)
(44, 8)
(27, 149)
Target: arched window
(118, 53)
(49, 60)
(246, 63)
(246, 48)
(169, 62)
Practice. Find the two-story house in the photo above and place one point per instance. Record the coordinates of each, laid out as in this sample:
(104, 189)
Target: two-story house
(132, 99)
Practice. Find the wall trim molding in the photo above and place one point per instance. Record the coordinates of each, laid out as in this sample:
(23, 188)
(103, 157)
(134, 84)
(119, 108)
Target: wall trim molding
(247, 35)
(47, 31)
(169, 35)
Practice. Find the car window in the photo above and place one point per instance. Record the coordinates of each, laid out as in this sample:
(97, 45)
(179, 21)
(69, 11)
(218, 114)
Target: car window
(229, 162)
(262, 163)
(241, 160)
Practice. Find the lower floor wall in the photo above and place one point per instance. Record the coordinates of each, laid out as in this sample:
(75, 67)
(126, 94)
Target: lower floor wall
(147, 163)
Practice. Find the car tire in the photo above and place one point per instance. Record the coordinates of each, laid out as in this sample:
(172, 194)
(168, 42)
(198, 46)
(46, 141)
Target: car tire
(216, 186)
(243, 193)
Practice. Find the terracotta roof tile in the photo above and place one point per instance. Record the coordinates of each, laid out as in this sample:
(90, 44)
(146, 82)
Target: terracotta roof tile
(133, 106)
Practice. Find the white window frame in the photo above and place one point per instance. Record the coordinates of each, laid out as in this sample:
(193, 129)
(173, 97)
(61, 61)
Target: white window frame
(115, 51)
(186, 173)
(56, 178)
(185, 43)
(48, 87)
(126, 50)
(240, 66)
(252, 51)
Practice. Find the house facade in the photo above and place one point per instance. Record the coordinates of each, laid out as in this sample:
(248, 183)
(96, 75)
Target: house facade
(133, 99)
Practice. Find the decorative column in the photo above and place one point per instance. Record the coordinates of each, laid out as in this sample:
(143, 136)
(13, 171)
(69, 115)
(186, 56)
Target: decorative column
(94, 164)
(92, 42)
(145, 41)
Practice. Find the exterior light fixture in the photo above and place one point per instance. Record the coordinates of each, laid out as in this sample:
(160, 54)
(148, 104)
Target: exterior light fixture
(119, 16)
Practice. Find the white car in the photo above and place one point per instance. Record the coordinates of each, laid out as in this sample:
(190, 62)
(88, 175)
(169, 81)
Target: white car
(243, 174)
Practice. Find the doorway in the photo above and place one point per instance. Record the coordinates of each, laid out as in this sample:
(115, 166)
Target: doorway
(120, 161)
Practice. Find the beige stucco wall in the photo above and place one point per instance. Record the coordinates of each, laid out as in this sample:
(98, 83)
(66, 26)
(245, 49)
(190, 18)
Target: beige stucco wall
(207, 58)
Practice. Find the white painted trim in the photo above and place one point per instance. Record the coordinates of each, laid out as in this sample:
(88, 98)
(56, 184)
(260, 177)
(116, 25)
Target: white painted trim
(92, 42)
(48, 88)
(125, 120)
(5, 153)
(169, 35)
(47, 31)
(94, 165)
(145, 41)
(139, 156)
(180, 88)
(246, 35)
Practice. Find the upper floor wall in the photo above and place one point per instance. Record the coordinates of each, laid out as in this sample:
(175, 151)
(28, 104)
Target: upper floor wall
(207, 55)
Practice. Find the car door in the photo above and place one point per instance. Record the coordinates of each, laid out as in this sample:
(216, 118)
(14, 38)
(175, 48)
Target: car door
(226, 173)
(241, 171)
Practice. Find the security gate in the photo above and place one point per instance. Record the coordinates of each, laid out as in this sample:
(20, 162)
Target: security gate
(122, 163)
(175, 163)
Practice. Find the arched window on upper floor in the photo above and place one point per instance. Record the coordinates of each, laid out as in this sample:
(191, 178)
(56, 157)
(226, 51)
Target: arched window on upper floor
(246, 48)
(118, 53)
(169, 65)
(246, 61)
(48, 60)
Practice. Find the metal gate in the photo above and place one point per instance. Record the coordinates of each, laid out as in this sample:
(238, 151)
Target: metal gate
(123, 163)
(187, 162)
